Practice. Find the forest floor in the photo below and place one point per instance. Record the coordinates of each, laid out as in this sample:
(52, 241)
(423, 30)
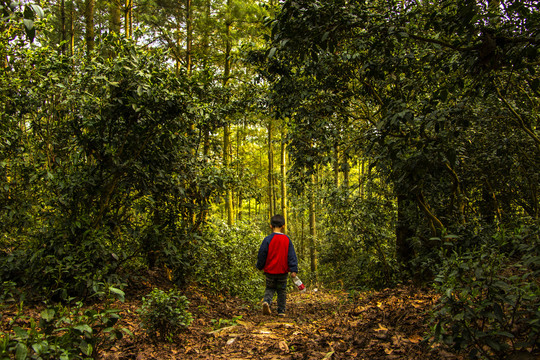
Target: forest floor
(323, 324)
(387, 324)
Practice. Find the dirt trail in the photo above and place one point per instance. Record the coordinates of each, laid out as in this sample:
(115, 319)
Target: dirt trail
(388, 324)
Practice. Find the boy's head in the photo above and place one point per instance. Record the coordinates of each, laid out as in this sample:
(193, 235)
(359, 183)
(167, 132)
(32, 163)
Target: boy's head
(277, 221)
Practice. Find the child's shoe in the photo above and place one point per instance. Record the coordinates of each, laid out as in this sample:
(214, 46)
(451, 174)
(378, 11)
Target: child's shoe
(281, 314)
(266, 308)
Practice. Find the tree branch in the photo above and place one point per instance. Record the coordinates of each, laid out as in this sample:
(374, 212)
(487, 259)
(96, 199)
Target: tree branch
(518, 117)
(429, 214)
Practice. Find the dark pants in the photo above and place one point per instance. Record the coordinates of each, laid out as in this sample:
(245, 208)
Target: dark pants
(276, 283)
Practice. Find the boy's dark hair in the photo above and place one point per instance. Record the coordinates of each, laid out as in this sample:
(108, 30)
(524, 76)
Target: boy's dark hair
(277, 221)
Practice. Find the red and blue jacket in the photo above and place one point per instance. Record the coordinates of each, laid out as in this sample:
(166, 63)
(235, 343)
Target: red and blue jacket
(277, 255)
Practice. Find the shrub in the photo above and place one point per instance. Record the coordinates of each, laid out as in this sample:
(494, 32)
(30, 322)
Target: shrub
(226, 259)
(164, 313)
(62, 333)
(490, 298)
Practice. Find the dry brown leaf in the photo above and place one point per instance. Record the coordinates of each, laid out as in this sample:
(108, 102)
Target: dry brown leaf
(415, 339)
(328, 355)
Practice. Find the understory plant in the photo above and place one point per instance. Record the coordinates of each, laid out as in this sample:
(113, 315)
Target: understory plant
(230, 252)
(490, 298)
(163, 314)
(62, 332)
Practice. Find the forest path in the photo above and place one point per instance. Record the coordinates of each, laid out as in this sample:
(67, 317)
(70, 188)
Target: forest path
(387, 324)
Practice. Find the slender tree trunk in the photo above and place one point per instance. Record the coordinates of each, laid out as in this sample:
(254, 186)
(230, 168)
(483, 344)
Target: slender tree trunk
(226, 130)
(71, 29)
(189, 34)
(240, 138)
(284, 209)
(336, 165)
(63, 27)
(275, 192)
(302, 235)
(89, 22)
(404, 251)
(346, 171)
(361, 178)
(115, 20)
(270, 172)
(312, 227)
(128, 21)
(226, 164)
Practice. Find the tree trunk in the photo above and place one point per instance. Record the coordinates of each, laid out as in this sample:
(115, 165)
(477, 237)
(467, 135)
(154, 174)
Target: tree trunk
(240, 139)
(89, 22)
(63, 27)
(71, 29)
(226, 157)
(115, 21)
(226, 130)
(336, 164)
(189, 34)
(270, 172)
(284, 209)
(404, 251)
(128, 21)
(312, 228)
(346, 170)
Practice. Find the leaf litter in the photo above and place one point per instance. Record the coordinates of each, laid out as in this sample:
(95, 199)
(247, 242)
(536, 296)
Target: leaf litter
(388, 324)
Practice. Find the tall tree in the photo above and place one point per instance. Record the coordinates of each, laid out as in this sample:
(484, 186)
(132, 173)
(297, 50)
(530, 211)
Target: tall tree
(270, 153)
(226, 128)
(89, 22)
(313, 225)
(115, 20)
(284, 204)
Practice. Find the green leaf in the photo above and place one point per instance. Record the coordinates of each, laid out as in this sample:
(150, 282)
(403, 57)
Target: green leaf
(20, 332)
(86, 348)
(83, 328)
(28, 24)
(325, 36)
(21, 352)
(38, 11)
(127, 331)
(120, 294)
(493, 344)
(47, 314)
(272, 52)
(505, 334)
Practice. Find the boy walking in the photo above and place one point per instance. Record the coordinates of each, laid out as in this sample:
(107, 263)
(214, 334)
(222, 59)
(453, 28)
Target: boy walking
(277, 258)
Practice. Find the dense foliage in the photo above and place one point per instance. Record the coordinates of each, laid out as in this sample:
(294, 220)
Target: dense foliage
(407, 133)
(164, 314)
(97, 166)
(62, 332)
(490, 296)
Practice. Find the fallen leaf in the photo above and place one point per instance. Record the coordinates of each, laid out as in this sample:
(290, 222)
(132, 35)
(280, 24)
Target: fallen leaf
(415, 339)
(329, 355)
(381, 328)
(283, 346)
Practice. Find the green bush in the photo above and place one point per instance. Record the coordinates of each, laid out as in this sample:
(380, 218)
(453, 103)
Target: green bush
(359, 247)
(227, 257)
(490, 297)
(62, 333)
(164, 313)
